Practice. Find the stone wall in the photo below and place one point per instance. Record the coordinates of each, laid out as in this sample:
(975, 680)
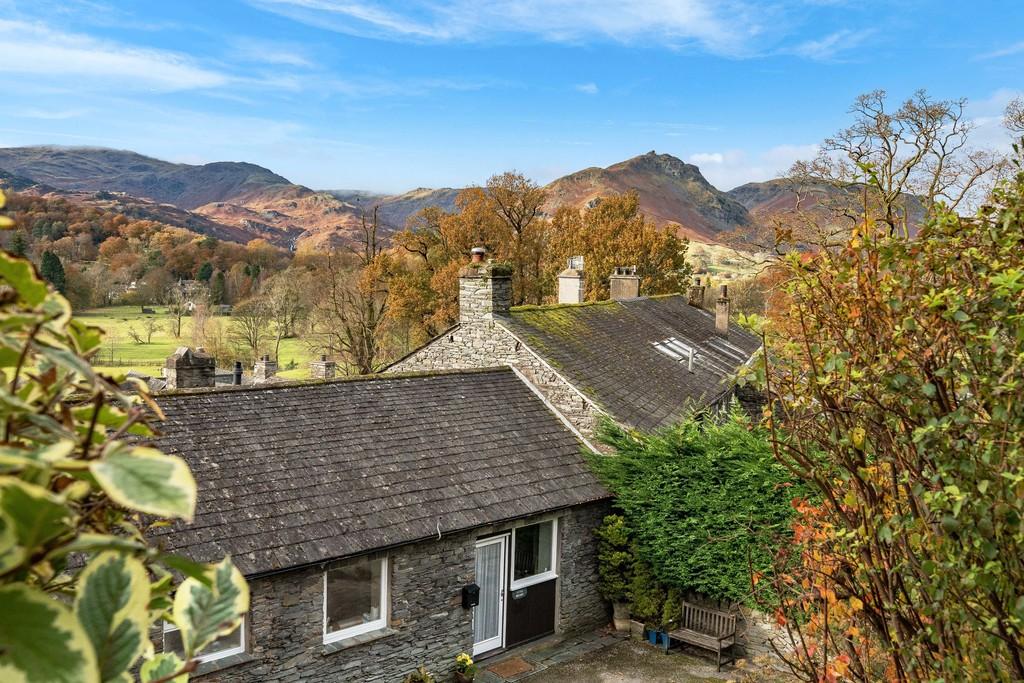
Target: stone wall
(427, 622)
(485, 344)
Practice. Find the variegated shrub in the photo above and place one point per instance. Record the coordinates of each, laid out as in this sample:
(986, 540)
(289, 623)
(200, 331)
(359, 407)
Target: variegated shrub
(79, 585)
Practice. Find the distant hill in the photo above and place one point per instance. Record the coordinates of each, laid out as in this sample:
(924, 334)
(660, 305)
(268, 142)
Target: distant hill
(779, 196)
(670, 189)
(249, 200)
(395, 210)
(241, 201)
(92, 169)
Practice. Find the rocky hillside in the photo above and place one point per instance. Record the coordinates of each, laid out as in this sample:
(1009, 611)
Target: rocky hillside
(395, 210)
(671, 190)
(241, 201)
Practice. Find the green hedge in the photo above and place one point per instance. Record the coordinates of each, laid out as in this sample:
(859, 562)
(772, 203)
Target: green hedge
(704, 502)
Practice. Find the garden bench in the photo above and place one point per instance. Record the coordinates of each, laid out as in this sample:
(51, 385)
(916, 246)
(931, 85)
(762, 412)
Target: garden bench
(708, 628)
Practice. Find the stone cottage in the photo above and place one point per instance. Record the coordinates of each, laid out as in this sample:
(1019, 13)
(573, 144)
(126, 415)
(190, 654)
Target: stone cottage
(641, 361)
(386, 522)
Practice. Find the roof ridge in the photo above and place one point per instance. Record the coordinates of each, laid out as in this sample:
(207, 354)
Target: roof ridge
(296, 383)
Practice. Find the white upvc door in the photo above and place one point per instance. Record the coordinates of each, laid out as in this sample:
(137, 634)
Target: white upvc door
(492, 577)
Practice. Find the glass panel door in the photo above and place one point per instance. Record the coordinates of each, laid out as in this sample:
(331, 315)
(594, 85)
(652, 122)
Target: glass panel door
(489, 615)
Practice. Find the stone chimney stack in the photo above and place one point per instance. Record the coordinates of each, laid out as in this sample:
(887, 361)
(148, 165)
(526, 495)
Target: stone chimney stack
(188, 369)
(264, 369)
(722, 312)
(323, 368)
(695, 296)
(485, 289)
(570, 282)
(624, 283)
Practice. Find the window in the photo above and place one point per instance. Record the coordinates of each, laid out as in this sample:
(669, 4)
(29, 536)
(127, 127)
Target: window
(225, 646)
(533, 553)
(355, 598)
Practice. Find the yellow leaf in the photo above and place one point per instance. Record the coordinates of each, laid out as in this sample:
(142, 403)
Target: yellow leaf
(855, 604)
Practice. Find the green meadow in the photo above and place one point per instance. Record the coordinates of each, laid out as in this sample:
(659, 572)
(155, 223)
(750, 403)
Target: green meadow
(120, 353)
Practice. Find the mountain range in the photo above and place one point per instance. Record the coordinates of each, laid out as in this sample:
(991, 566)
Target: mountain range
(240, 201)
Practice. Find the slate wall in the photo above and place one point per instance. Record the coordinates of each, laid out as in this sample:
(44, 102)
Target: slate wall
(485, 344)
(427, 622)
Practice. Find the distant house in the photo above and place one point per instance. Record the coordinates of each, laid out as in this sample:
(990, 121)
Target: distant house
(642, 361)
(369, 514)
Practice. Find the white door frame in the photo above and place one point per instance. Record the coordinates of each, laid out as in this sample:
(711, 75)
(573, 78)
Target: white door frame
(499, 640)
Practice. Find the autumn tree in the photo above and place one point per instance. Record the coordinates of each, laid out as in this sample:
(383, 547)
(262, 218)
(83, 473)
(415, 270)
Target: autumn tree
(901, 162)
(287, 298)
(895, 372)
(1013, 118)
(349, 314)
(615, 233)
(517, 201)
(250, 321)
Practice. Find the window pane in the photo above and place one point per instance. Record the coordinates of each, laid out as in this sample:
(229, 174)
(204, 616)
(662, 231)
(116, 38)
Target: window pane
(353, 594)
(533, 550)
(233, 640)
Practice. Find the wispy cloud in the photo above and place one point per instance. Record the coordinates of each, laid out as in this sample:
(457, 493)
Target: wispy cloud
(588, 88)
(722, 29)
(36, 49)
(264, 52)
(832, 46)
(1009, 50)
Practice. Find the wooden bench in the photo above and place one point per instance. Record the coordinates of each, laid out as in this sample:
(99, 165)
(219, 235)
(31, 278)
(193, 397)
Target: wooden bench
(710, 629)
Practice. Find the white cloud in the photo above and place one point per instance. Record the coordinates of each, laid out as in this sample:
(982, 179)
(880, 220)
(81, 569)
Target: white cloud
(987, 118)
(35, 49)
(722, 29)
(1015, 49)
(831, 46)
(587, 88)
(730, 168)
(707, 158)
(263, 52)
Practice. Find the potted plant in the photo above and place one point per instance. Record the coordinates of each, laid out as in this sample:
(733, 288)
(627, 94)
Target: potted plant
(465, 668)
(614, 567)
(647, 598)
(420, 675)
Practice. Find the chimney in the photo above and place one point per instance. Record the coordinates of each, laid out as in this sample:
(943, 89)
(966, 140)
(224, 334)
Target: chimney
(570, 282)
(264, 369)
(236, 377)
(624, 283)
(323, 368)
(722, 312)
(485, 289)
(695, 296)
(188, 369)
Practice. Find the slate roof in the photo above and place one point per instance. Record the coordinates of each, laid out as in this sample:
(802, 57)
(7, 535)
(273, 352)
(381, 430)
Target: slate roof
(291, 475)
(607, 351)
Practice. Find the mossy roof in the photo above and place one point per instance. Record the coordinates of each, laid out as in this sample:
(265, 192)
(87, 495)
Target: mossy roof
(607, 351)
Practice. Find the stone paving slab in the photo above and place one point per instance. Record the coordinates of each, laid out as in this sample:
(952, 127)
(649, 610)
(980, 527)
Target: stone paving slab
(601, 657)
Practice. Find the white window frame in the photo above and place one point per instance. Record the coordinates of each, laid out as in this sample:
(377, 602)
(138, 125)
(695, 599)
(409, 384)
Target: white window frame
(220, 654)
(360, 629)
(544, 576)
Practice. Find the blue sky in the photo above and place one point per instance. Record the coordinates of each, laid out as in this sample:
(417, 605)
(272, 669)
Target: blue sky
(389, 96)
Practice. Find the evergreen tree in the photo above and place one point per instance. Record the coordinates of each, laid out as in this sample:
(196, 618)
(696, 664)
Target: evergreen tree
(205, 272)
(19, 245)
(52, 271)
(218, 288)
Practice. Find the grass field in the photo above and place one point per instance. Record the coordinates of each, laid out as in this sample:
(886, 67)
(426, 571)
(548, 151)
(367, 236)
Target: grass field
(121, 354)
